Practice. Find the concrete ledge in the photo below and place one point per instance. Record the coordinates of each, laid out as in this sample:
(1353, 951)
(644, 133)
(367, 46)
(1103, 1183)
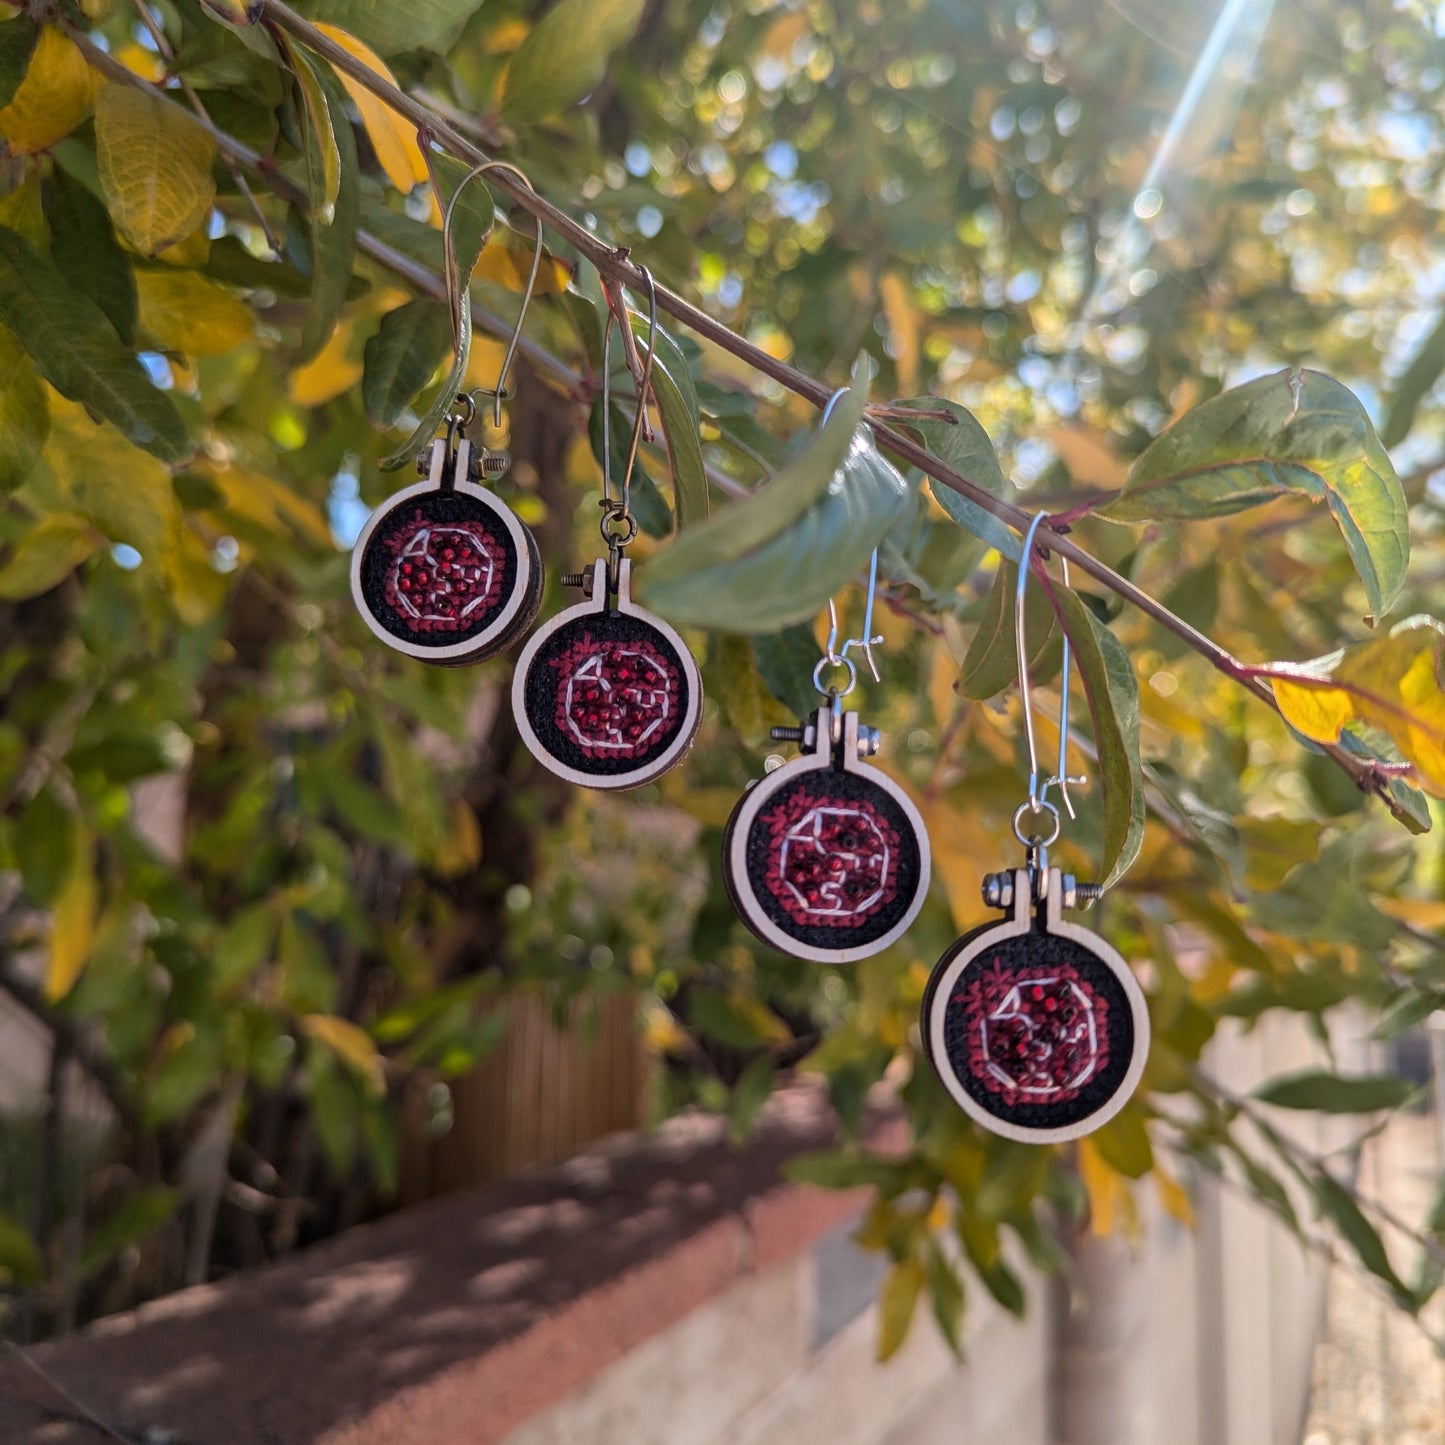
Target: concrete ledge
(452, 1322)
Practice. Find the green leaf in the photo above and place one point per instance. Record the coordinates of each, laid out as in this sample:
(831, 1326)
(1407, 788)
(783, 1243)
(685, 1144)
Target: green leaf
(393, 26)
(335, 1110)
(992, 662)
(1421, 374)
(847, 1169)
(47, 555)
(1334, 1093)
(565, 55)
(17, 44)
(677, 398)
(738, 686)
(752, 1090)
(739, 1021)
(1123, 1143)
(401, 357)
(786, 661)
(142, 1214)
(333, 245)
(85, 251)
(245, 945)
(964, 446)
(155, 166)
(1113, 693)
(75, 348)
(475, 213)
(896, 1301)
(20, 1261)
(945, 1290)
(1295, 433)
(24, 413)
(778, 556)
(323, 154)
(1336, 1201)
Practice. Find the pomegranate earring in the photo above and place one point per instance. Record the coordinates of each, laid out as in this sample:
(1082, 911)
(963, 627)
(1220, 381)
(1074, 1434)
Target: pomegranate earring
(1036, 1027)
(827, 859)
(607, 694)
(444, 570)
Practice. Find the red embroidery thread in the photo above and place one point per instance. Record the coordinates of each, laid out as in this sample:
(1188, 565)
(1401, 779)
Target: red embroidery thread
(1036, 1034)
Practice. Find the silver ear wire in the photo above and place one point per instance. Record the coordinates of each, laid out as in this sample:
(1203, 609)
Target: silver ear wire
(618, 510)
(1039, 790)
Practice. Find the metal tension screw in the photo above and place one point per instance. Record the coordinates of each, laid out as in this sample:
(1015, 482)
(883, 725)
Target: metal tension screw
(998, 890)
(489, 464)
(1081, 895)
(788, 735)
(578, 579)
(869, 741)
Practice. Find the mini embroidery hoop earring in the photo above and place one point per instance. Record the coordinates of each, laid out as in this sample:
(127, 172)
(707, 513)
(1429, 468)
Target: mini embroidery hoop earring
(854, 818)
(451, 503)
(611, 633)
(1055, 991)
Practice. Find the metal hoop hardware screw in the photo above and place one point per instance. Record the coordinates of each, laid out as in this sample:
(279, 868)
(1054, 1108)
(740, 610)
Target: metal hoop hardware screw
(578, 579)
(998, 890)
(869, 738)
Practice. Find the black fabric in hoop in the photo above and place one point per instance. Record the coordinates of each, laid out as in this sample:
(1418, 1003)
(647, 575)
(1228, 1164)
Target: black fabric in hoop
(545, 681)
(844, 787)
(441, 508)
(1039, 950)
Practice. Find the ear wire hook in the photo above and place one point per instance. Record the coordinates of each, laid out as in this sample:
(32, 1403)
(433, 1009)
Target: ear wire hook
(619, 509)
(1039, 794)
(457, 288)
(833, 655)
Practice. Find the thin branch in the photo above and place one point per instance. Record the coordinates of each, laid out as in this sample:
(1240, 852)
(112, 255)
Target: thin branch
(82, 1410)
(615, 264)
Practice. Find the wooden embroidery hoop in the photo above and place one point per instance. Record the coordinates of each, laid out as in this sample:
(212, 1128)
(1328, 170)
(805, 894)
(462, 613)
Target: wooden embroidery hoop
(604, 601)
(515, 613)
(971, 947)
(824, 754)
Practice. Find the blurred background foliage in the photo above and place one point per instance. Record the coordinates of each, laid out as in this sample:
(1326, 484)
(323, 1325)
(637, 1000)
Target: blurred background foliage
(275, 889)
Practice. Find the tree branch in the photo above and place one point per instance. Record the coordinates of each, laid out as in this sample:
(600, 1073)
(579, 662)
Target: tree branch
(614, 264)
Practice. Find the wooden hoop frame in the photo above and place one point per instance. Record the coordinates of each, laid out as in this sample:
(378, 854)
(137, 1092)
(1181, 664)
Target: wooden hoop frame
(735, 842)
(951, 968)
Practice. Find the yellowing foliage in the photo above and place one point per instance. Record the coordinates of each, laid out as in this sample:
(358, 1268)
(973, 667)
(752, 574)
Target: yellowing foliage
(55, 96)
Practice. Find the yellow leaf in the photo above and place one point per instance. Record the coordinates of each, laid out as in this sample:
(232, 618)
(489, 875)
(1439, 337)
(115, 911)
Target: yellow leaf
(1426, 913)
(662, 1032)
(896, 1300)
(461, 849)
(72, 930)
(155, 167)
(47, 555)
(903, 317)
(1111, 1205)
(393, 137)
(125, 492)
(21, 212)
(196, 590)
(484, 365)
(506, 36)
(140, 61)
(1089, 456)
(1173, 1196)
(55, 96)
(194, 250)
(268, 503)
(331, 371)
(352, 1045)
(1394, 683)
(185, 311)
(503, 266)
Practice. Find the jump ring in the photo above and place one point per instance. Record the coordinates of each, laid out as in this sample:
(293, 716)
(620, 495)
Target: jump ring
(843, 662)
(618, 539)
(1034, 840)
